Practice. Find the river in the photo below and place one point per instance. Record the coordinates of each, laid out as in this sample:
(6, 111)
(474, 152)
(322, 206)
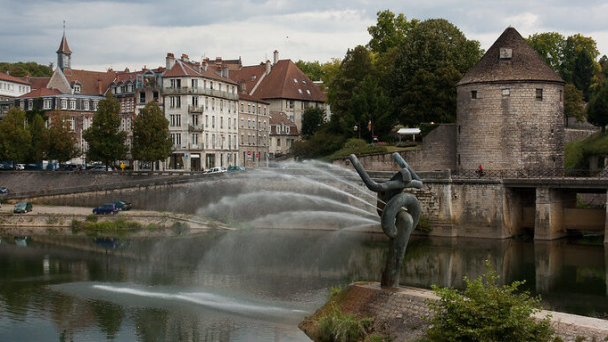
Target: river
(253, 284)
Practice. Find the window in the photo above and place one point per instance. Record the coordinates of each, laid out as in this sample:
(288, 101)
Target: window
(76, 89)
(142, 97)
(213, 122)
(242, 123)
(194, 100)
(175, 102)
(242, 107)
(242, 138)
(248, 108)
(473, 94)
(539, 94)
(206, 103)
(155, 96)
(506, 92)
(47, 104)
(221, 122)
(206, 121)
(175, 120)
(278, 142)
(194, 84)
(73, 123)
(72, 104)
(176, 138)
(212, 103)
(176, 83)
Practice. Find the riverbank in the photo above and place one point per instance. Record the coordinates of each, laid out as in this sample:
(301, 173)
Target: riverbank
(48, 219)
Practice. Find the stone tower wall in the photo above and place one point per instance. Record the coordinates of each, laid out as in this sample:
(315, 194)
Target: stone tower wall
(511, 132)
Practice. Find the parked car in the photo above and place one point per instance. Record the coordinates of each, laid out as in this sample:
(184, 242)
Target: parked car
(20, 167)
(236, 168)
(101, 168)
(23, 207)
(4, 190)
(108, 208)
(122, 205)
(216, 170)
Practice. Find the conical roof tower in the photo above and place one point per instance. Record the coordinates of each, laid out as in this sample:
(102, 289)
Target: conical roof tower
(64, 54)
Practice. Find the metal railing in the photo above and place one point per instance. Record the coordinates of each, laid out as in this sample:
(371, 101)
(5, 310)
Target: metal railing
(200, 91)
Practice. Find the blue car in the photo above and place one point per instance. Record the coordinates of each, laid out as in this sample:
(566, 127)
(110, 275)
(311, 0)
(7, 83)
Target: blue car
(108, 208)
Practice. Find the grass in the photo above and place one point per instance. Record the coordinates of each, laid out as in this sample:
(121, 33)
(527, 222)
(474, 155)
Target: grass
(91, 227)
(577, 153)
(336, 326)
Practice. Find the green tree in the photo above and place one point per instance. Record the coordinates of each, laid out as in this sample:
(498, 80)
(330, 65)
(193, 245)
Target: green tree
(311, 69)
(106, 141)
(389, 31)
(597, 109)
(370, 111)
(486, 311)
(15, 138)
(151, 137)
(550, 46)
(604, 67)
(583, 72)
(312, 119)
(21, 69)
(62, 139)
(434, 51)
(574, 103)
(572, 49)
(39, 145)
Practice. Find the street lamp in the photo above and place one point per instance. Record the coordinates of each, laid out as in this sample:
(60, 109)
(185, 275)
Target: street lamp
(356, 128)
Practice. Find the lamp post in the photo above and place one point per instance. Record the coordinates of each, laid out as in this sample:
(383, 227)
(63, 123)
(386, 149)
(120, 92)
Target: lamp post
(356, 128)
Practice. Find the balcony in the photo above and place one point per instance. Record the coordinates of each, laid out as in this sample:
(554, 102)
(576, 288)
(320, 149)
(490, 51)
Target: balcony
(195, 128)
(195, 109)
(200, 91)
(196, 146)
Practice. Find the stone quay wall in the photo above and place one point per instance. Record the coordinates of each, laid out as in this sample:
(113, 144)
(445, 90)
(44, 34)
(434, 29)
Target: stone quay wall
(401, 314)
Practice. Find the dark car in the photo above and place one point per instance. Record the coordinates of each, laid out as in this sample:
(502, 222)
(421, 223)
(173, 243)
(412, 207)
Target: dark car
(4, 190)
(23, 207)
(122, 205)
(236, 168)
(108, 208)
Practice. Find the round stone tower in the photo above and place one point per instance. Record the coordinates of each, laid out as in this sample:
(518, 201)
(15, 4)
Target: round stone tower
(510, 110)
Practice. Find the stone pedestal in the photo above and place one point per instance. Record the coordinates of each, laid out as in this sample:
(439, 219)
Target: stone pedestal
(549, 219)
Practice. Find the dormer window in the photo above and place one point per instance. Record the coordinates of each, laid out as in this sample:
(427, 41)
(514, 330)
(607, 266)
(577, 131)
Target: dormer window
(506, 54)
(77, 89)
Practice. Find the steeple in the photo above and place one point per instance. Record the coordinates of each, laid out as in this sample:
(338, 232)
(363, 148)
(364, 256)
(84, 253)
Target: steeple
(64, 55)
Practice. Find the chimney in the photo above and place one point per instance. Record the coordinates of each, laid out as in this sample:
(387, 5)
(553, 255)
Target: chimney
(8, 72)
(268, 67)
(99, 86)
(218, 60)
(170, 60)
(205, 64)
(185, 58)
(275, 55)
(225, 71)
(197, 65)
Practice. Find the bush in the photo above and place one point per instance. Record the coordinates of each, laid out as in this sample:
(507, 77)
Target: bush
(487, 312)
(91, 218)
(334, 326)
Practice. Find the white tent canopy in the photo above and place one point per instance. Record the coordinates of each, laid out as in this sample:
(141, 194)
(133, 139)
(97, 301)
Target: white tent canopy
(408, 131)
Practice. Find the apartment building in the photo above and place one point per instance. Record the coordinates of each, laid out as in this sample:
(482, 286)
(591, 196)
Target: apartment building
(254, 131)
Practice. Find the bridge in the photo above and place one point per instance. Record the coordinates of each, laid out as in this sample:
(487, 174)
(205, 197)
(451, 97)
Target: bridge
(459, 204)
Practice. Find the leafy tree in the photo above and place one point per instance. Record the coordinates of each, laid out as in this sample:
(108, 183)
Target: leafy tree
(106, 141)
(370, 110)
(486, 311)
(21, 69)
(597, 109)
(15, 139)
(583, 72)
(62, 139)
(357, 65)
(151, 137)
(330, 70)
(430, 60)
(550, 46)
(574, 103)
(312, 119)
(311, 69)
(604, 67)
(322, 143)
(389, 31)
(39, 145)
(572, 49)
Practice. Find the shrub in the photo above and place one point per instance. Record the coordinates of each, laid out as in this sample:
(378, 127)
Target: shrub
(424, 225)
(334, 291)
(91, 218)
(338, 327)
(487, 312)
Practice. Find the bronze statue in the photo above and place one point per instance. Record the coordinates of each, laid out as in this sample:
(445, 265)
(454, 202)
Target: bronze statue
(399, 213)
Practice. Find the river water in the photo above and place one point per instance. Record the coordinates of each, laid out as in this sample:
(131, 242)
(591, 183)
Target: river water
(252, 284)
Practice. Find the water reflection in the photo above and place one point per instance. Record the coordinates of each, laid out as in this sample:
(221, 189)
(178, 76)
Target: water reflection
(252, 285)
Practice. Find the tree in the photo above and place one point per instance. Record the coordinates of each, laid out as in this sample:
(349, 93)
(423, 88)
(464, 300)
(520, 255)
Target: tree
(106, 141)
(312, 119)
(597, 109)
(21, 69)
(583, 72)
(573, 103)
(550, 46)
(572, 49)
(39, 145)
(430, 60)
(389, 31)
(370, 110)
(151, 137)
(15, 139)
(486, 311)
(62, 139)
(311, 69)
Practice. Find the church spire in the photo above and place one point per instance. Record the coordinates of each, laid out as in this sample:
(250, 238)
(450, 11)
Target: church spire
(64, 55)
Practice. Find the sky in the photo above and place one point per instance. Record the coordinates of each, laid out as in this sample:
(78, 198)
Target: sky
(137, 33)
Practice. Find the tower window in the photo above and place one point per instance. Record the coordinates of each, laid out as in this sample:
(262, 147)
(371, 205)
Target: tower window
(539, 94)
(506, 92)
(473, 94)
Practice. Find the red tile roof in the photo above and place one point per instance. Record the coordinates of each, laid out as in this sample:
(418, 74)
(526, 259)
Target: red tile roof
(247, 97)
(285, 81)
(280, 118)
(182, 68)
(42, 92)
(92, 82)
(10, 78)
(37, 82)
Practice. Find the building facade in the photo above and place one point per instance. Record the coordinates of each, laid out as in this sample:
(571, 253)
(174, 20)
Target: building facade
(12, 87)
(202, 108)
(283, 133)
(510, 110)
(254, 131)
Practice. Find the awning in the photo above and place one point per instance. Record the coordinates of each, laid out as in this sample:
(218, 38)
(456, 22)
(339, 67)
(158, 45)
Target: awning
(195, 155)
(405, 131)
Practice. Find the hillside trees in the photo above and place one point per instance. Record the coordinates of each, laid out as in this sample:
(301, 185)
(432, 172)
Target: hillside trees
(151, 137)
(21, 69)
(312, 119)
(597, 110)
(106, 141)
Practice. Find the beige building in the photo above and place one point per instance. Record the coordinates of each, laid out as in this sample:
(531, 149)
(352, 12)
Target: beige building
(201, 104)
(283, 133)
(254, 131)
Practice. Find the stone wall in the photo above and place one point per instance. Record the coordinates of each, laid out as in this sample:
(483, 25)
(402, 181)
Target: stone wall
(510, 132)
(577, 134)
(400, 314)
